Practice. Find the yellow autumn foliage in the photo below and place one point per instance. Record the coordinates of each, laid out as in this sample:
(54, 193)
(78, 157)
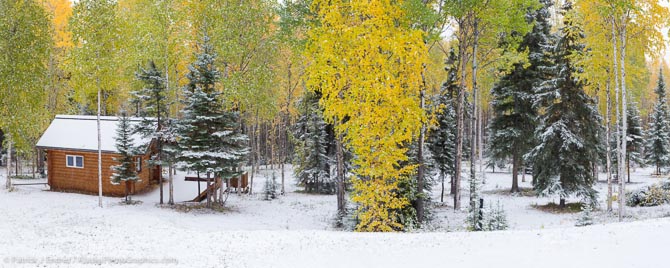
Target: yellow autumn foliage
(368, 68)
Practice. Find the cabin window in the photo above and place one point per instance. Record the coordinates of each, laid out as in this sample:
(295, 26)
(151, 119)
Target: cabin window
(138, 164)
(74, 161)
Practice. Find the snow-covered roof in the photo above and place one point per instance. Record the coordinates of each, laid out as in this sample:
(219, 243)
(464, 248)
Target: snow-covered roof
(80, 132)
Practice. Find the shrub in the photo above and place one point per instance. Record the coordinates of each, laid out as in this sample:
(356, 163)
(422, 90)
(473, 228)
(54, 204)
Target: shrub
(585, 218)
(497, 218)
(270, 188)
(653, 195)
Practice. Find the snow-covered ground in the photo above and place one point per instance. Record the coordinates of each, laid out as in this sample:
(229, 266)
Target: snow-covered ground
(44, 228)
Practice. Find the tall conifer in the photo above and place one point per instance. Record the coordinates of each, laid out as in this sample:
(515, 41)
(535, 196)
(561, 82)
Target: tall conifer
(569, 128)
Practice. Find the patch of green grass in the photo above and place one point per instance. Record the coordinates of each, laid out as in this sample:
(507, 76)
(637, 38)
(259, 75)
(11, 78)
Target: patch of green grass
(556, 209)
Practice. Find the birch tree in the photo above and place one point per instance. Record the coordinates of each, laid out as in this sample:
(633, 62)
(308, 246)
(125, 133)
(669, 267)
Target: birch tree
(375, 118)
(25, 47)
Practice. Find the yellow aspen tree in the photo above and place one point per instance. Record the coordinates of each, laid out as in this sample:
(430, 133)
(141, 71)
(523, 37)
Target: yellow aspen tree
(58, 91)
(368, 68)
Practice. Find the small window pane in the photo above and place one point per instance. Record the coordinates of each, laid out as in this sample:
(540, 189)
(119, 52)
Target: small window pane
(70, 161)
(138, 164)
(80, 161)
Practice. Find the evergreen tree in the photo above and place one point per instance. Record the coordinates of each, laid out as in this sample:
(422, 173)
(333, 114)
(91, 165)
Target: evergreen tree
(151, 105)
(568, 133)
(442, 138)
(475, 212)
(270, 188)
(634, 135)
(311, 160)
(124, 172)
(515, 118)
(658, 134)
(409, 188)
(151, 100)
(585, 218)
(208, 137)
(497, 218)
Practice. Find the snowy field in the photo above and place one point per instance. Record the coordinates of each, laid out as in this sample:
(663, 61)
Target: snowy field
(52, 229)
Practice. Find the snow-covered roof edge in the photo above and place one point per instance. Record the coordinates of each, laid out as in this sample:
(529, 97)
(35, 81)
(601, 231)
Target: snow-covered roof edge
(79, 133)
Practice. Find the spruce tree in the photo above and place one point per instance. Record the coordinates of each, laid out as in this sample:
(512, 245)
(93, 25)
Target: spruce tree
(151, 100)
(151, 105)
(124, 171)
(208, 137)
(658, 134)
(311, 142)
(442, 137)
(634, 134)
(515, 118)
(568, 132)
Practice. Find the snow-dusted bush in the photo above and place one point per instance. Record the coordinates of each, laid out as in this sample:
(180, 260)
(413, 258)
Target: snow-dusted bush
(270, 188)
(665, 185)
(650, 196)
(585, 218)
(497, 219)
(487, 219)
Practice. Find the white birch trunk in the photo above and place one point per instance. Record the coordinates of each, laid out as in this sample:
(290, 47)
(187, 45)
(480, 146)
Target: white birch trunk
(99, 151)
(624, 123)
(608, 156)
(473, 116)
(615, 60)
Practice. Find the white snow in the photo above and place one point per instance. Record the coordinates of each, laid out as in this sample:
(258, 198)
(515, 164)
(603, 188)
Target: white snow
(80, 132)
(54, 229)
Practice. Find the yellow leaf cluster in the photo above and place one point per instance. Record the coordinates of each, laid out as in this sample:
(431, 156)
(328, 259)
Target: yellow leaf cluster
(368, 68)
(61, 11)
(381, 205)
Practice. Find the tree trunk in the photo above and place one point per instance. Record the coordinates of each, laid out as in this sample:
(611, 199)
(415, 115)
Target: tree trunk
(99, 149)
(515, 173)
(618, 111)
(209, 191)
(171, 184)
(452, 184)
(473, 116)
(420, 160)
(160, 183)
(35, 163)
(167, 114)
(608, 157)
(254, 149)
(339, 152)
(126, 191)
(459, 113)
(258, 147)
(282, 134)
(8, 184)
(442, 192)
(624, 124)
(561, 205)
(628, 169)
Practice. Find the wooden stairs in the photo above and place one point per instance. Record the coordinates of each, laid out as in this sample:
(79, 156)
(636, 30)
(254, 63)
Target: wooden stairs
(202, 196)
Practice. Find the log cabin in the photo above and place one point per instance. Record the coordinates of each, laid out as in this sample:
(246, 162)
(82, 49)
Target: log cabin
(71, 146)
